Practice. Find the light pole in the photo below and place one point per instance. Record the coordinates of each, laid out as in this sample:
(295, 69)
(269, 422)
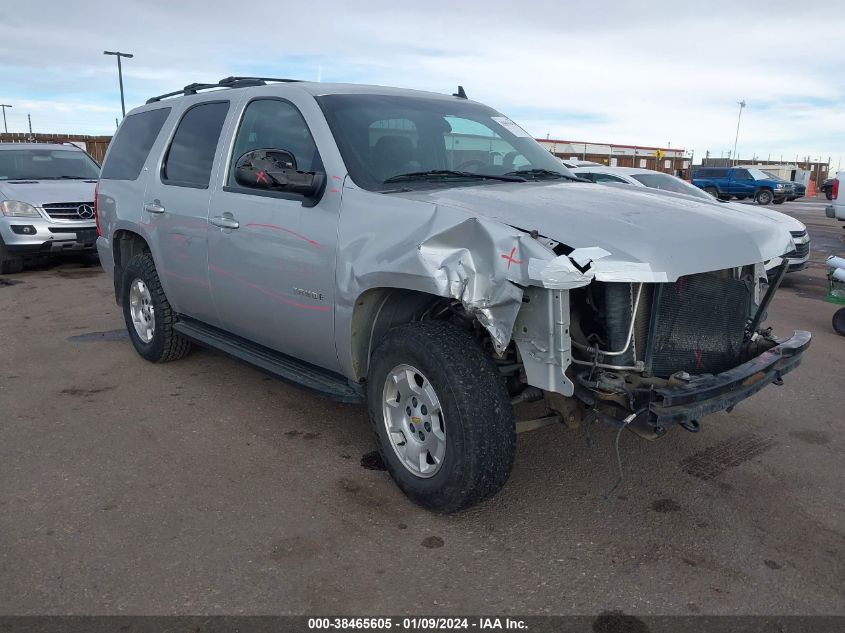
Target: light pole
(120, 74)
(3, 106)
(736, 138)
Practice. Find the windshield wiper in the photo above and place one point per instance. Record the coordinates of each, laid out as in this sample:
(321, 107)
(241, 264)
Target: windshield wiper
(449, 173)
(539, 173)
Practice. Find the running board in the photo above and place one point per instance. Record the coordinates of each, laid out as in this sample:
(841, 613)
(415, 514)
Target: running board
(279, 365)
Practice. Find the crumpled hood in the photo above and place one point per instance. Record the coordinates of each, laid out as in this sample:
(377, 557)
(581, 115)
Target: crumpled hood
(673, 237)
(38, 192)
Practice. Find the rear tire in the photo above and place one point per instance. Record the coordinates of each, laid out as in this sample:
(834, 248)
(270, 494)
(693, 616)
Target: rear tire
(764, 196)
(778, 200)
(712, 191)
(148, 315)
(471, 457)
(828, 194)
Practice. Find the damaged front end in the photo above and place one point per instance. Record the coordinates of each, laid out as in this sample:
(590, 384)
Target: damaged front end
(654, 353)
(628, 326)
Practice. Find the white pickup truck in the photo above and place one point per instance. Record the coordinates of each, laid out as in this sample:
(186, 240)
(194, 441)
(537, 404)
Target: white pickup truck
(836, 208)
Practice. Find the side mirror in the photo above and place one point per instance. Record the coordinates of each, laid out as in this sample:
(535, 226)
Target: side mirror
(275, 170)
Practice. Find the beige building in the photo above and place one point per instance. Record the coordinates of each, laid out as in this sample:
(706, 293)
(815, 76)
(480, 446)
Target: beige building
(671, 160)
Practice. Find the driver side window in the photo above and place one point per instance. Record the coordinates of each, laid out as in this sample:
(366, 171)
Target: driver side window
(274, 124)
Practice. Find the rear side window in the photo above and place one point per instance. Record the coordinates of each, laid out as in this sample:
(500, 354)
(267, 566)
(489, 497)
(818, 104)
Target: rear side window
(191, 153)
(129, 149)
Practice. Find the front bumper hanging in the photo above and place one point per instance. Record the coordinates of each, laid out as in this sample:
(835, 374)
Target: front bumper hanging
(704, 395)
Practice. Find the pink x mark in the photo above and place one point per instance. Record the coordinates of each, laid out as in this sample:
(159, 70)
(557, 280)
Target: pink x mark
(510, 258)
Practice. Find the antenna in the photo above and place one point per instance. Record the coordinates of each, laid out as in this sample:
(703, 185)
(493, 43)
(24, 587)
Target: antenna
(460, 94)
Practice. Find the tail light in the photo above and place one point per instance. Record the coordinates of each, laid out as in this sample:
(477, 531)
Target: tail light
(96, 213)
(835, 188)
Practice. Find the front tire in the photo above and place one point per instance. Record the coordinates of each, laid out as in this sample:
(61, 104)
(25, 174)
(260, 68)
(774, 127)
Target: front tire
(712, 191)
(442, 416)
(148, 315)
(764, 196)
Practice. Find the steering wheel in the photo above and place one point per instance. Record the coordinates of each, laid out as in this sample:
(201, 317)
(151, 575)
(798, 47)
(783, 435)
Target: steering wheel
(468, 164)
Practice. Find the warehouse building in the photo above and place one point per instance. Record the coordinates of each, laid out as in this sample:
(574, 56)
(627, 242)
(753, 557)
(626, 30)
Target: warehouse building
(671, 160)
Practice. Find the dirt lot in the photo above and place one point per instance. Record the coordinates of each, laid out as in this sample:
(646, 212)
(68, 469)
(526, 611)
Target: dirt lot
(204, 486)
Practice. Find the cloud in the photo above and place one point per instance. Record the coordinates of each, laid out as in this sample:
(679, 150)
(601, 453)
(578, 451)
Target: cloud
(647, 72)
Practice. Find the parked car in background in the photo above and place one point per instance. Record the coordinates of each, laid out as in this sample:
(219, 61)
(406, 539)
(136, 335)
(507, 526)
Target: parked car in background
(797, 258)
(422, 254)
(741, 183)
(827, 188)
(800, 189)
(46, 202)
(837, 209)
(577, 162)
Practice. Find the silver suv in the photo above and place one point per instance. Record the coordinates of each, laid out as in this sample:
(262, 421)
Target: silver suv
(423, 254)
(46, 201)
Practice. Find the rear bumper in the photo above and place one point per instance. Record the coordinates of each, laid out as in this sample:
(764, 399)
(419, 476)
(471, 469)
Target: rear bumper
(707, 394)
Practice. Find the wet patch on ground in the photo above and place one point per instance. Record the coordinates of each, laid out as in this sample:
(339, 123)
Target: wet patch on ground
(8, 282)
(432, 542)
(373, 461)
(77, 391)
(95, 337)
(809, 436)
(79, 273)
(713, 461)
(665, 505)
(618, 622)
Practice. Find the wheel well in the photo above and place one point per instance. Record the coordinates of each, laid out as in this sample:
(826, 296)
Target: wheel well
(125, 245)
(379, 309)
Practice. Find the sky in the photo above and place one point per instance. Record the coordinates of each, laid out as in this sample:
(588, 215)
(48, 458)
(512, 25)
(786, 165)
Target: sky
(652, 73)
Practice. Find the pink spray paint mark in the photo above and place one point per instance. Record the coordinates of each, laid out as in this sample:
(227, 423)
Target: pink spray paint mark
(313, 243)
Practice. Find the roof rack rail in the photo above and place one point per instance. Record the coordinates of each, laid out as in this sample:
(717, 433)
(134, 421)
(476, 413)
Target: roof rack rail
(226, 82)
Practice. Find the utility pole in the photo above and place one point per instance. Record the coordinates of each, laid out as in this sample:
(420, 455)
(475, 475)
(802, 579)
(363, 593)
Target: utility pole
(118, 54)
(29, 119)
(3, 106)
(736, 138)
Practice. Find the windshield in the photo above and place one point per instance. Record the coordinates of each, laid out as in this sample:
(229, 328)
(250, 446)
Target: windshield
(47, 164)
(449, 142)
(671, 183)
(759, 174)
